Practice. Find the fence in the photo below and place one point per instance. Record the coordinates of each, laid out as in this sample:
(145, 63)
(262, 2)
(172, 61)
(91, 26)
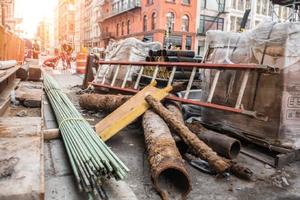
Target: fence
(11, 46)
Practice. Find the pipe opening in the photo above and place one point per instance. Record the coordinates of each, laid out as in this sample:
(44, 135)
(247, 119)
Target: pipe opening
(235, 149)
(174, 182)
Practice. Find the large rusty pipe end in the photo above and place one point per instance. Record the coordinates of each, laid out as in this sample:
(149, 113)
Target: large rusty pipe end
(168, 172)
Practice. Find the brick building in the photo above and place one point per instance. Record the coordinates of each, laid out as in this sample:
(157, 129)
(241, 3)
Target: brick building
(66, 21)
(43, 36)
(149, 19)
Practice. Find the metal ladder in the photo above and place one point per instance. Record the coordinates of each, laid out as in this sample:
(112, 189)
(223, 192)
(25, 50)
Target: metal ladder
(238, 108)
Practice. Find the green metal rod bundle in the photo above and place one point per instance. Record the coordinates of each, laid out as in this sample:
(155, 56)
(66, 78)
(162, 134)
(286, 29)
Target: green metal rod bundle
(90, 158)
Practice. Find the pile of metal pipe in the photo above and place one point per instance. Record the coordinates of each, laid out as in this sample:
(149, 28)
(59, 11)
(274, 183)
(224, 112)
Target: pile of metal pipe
(172, 56)
(91, 160)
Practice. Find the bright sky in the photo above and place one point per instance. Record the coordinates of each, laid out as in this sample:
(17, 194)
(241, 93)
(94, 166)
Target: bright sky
(32, 12)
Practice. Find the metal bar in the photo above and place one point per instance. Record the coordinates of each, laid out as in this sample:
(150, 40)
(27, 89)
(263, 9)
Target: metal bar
(213, 86)
(191, 65)
(115, 75)
(197, 103)
(126, 76)
(139, 78)
(242, 89)
(98, 85)
(104, 76)
(189, 86)
(97, 74)
(155, 73)
(172, 75)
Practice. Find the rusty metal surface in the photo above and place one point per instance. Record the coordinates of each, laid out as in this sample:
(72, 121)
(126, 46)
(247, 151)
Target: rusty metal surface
(191, 65)
(106, 102)
(200, 148)
(224, 145)
(168, 171)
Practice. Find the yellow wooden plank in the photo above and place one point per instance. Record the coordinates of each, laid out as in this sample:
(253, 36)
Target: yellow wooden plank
(129, 111)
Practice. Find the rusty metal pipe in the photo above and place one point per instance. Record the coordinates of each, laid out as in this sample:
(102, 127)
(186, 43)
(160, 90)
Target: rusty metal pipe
(222, 144)
(168, 172)
(199, 147)
(106, 102)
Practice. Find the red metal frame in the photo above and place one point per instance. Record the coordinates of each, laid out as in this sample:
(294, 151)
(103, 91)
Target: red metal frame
(174, 98)
(189, 65)
(186, 65)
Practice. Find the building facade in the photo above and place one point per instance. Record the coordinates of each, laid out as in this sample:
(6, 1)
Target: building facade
(171, 22)
(79, 20)
(43, 35)
(66, 22)
(226, 15)
(7, 15)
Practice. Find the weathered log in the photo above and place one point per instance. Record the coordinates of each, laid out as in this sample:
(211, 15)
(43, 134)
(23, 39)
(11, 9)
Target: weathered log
(34, 73)
(22, 72)
(200, 148)
(168, 171)
(106, 103)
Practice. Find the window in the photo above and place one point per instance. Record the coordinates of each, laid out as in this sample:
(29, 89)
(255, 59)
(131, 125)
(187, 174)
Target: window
(123, 28)
(203, 4)
(145, 23)
(258, 7)
(218, 5)
(185, 21)
(232, 23)
(149, 1)
(238, 23)
(188, 43)
(210, 23)
(153, 21)
(117, 29)
(264, 7)
(128, 26)
(186, 2)
(233, 4)
(170, 21)
(270, 11)
(248, 4)
(201, 45)
(241, 4)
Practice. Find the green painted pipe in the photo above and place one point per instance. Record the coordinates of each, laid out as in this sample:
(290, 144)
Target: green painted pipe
(90, 158)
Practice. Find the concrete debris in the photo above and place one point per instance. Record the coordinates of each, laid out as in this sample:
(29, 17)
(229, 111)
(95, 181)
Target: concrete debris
(22, 113)
(280, 179)
(29, 94)
(7, 166)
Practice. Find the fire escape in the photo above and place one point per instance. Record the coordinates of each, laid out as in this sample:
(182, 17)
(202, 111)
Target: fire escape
(221, 10)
